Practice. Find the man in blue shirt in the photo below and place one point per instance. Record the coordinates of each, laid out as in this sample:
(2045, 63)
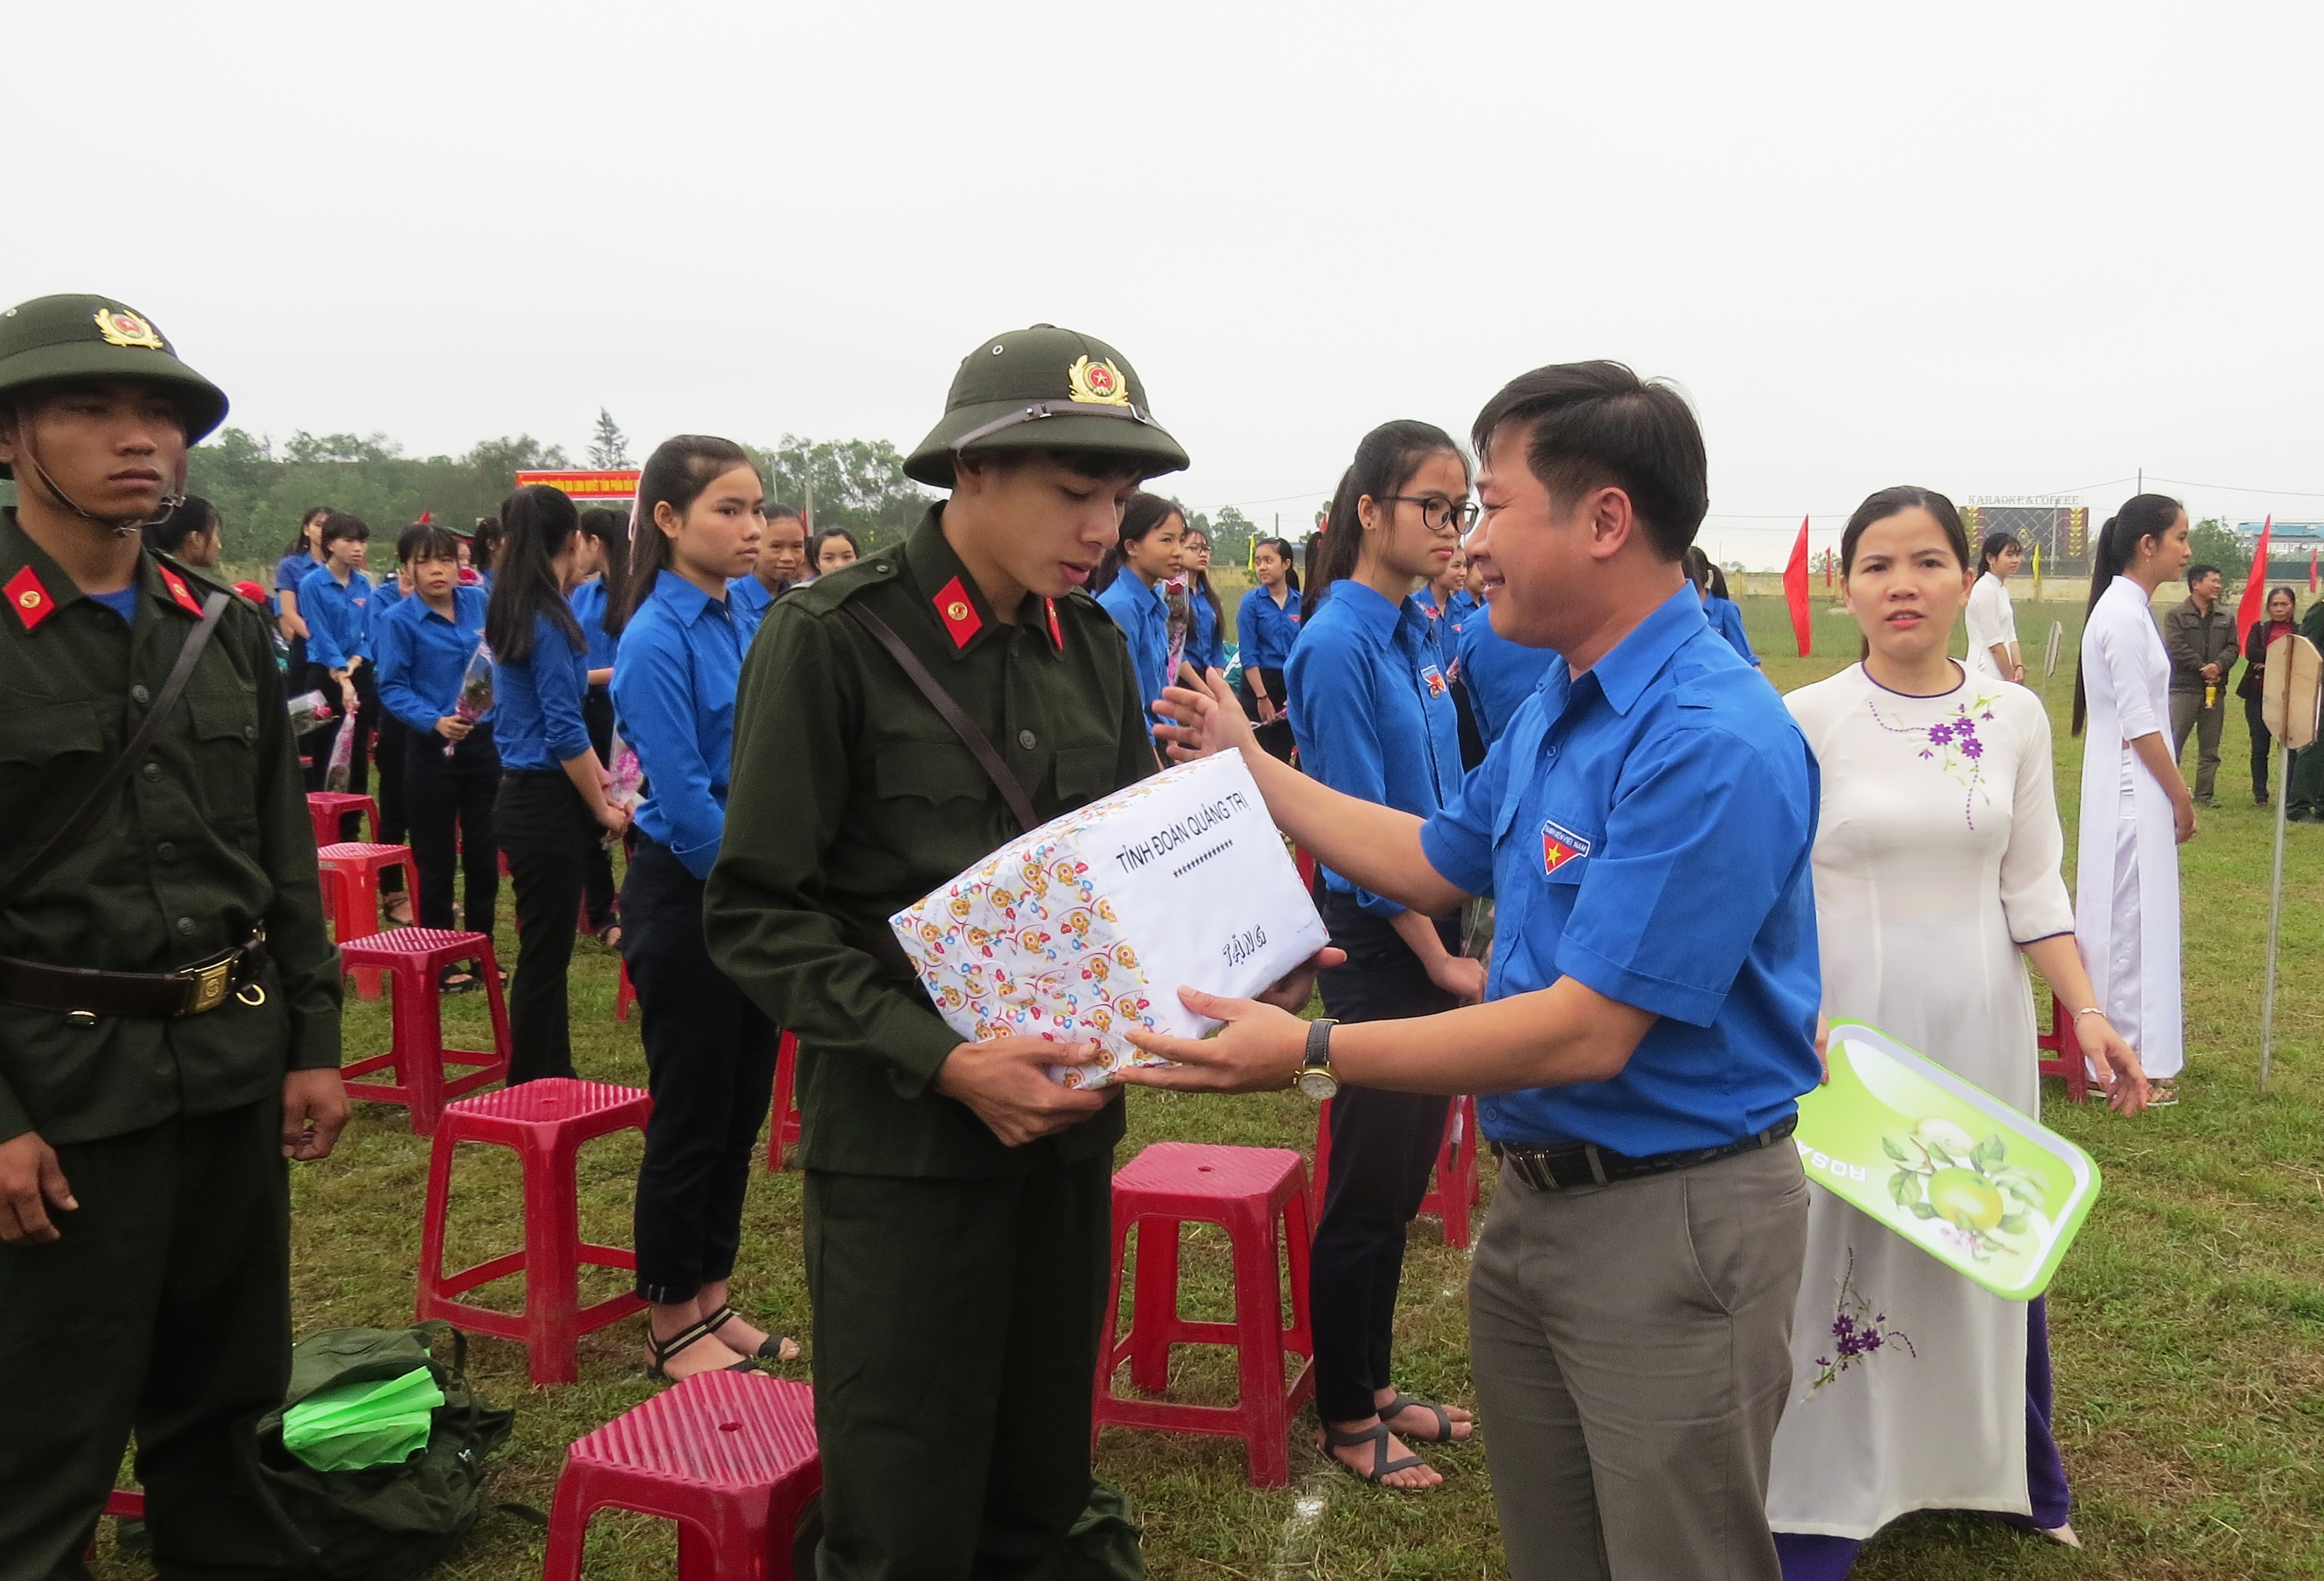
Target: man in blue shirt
(1644, 826)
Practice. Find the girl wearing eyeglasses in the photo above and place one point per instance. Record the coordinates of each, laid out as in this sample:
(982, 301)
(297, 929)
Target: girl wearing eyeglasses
(1376, 720)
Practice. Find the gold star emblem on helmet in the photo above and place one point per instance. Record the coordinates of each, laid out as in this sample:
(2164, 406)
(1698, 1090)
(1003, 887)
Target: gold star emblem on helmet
(1098, 383)
(122, 327)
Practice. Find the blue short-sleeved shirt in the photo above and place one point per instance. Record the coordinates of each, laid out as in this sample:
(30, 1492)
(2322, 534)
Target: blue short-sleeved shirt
(674, 683)
(1265, 633)
(291, 570)
(422, 655)
(537, 721)
(1499, 674)
(1726, 617)
(1375, 716)
(747, 595)
(1144, 620)
(338, 619)
(588, 601)
(1206, 645)
(1645, 830)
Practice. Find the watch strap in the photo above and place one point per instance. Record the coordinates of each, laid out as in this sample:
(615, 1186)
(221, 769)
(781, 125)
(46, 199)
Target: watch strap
(1319, 1044)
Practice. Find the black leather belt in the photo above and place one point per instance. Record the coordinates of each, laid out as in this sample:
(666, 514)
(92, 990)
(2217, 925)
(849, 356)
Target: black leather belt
(1585, 1163)
(84, 995)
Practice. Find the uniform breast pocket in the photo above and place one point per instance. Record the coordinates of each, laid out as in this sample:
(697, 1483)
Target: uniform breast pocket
(223, 723)
(1084, 773)
(45, 749)
(933, 772)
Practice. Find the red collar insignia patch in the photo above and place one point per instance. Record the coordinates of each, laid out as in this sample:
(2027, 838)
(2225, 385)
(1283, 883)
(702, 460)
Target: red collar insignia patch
(29, 599)
(1559, 846)
(1057, 632)
(957, 614)
(180, 591)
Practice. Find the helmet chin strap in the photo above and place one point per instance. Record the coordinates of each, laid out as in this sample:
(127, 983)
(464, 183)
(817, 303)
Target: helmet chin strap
(170, 499)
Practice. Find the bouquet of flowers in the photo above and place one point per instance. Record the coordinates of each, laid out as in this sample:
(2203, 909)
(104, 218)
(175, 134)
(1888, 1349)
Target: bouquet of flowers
(309, 710)
(341, 766)
(1181, 605)
(475, 699)
(624, 776)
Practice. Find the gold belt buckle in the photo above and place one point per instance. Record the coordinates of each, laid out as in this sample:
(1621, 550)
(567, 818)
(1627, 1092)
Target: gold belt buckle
(209, 985)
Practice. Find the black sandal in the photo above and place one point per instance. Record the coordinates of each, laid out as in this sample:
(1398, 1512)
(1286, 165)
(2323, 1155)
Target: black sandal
(1377, 1436)
(771, 1350)
(1400, 1403)
(665, 1350)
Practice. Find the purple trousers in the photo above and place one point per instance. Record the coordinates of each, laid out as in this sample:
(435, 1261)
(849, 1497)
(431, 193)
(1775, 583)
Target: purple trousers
(1808, 1557)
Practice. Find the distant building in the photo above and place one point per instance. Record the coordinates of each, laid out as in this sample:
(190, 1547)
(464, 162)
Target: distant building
(2292, 547)
(2058, 524)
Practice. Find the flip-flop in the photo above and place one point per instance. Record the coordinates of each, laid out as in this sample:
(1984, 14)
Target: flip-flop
(772, 1349)
(1377, 1436)
(1400, 1403)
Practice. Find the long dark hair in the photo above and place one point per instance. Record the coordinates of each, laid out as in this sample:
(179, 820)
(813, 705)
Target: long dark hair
(1282, 548)
(1200, 582)
(192, 514)
(674, 476)
(1386, 459)
(1996, 543)
(1141, 516)
(2142, 517)
(537, 525)
(298, 543)
(485, 543)
(611, 530)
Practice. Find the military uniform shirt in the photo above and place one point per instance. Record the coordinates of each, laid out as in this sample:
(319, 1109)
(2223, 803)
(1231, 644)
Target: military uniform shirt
(851, 799)
(209, 840)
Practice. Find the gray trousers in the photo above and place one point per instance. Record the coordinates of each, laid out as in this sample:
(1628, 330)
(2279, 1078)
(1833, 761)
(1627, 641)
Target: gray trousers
(2188, 713)
(1632, 1355)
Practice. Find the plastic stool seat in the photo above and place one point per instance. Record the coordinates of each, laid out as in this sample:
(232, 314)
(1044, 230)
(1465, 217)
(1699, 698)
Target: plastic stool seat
(329, 809)
(730, 1457)
(546, 1122)
(414, 959)
(359, 864)
(1260, 1196)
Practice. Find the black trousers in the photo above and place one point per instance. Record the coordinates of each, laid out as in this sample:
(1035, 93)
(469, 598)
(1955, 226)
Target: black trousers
(389, 747)
(956, 1329)
(541, 822)
(1383, 1146)
(597, 856)
(2263, 743)
(710, 1062)
(1275, 738)
(164, 1308)
(449, 803)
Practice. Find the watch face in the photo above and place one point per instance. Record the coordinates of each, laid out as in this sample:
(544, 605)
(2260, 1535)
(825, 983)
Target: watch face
(1319, 1085)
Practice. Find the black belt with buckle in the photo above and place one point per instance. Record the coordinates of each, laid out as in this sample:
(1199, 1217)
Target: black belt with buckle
(1585, 1163)
(84, 995)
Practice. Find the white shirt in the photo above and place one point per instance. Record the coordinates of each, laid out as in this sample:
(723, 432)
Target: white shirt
(1992, 623)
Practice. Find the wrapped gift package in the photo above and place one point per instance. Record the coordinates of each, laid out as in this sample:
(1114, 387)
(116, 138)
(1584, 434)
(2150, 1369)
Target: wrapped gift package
(1092, 923)
(1984, 1189)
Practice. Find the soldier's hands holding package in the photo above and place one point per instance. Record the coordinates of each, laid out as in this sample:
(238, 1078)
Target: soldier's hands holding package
(31, 1182)
(1006, 1081)
(314, 1111)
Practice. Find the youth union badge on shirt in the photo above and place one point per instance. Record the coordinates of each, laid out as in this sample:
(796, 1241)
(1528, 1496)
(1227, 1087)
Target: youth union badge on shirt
(1559, 846)
(1434, 677)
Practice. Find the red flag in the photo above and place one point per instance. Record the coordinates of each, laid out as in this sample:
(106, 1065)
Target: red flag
(2254, 603)
(1795, 588)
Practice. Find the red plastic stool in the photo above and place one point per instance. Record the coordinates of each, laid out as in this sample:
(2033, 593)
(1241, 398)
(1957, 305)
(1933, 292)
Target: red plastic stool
(1455, 1187)
(329, 809)
(414, 960)
(1260, 1195)
(783, 1121)
(122, 1504)
(356, 913)
(546, 1121)
(624, 993)
(730, 1457)
(332, 884)
(2061, 1054)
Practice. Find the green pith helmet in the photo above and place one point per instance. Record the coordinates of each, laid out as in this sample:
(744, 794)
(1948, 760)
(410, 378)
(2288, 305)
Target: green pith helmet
(1044, 389)
(96, 337)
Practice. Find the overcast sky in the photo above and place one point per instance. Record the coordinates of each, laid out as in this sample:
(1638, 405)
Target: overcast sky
(2009, 248)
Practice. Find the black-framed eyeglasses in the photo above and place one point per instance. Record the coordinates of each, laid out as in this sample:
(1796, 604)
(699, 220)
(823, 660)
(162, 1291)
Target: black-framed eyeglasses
(1436, 511)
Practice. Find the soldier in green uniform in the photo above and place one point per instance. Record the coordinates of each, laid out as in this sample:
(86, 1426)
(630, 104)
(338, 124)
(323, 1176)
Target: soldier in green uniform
(957, 1223)
(168, 1000)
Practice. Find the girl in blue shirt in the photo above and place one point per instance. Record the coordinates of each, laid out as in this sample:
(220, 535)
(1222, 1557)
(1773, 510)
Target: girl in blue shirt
(710, 1050)
(450, 771)
(552, 792)
(603, 560)
(1726, 617)
(1265, 624)
(1207, 644)
(1128, 585)
(1376, 721)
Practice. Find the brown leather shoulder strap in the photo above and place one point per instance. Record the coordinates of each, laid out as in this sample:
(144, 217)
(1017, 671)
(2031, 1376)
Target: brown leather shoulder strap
(1012, 791)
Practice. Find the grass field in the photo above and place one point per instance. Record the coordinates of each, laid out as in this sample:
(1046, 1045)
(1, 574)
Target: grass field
(2187, 1323)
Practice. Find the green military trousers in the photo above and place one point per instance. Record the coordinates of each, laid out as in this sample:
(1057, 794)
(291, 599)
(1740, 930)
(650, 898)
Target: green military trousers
(164, 1308)
(955, 1342)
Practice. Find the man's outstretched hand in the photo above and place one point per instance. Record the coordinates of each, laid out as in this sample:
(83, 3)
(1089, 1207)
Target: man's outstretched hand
(1210, 720)
(1291, 991)
(1259, 1049)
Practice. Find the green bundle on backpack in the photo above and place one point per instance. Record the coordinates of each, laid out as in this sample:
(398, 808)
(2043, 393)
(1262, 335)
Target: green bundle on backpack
(394, 1519)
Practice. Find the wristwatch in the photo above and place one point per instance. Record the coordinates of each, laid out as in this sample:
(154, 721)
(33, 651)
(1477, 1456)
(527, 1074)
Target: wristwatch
(1314, 1077)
